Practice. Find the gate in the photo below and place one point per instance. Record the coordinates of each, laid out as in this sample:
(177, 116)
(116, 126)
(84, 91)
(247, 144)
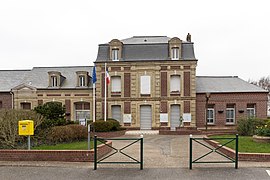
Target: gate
(212, 150)
(134, 160)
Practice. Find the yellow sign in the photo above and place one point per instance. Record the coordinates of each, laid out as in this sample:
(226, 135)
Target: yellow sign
(26, 127)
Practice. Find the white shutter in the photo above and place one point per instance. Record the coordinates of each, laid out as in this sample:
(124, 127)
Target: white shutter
(146, 117)
(116, 83)
(116, 112)
(175, 116)
(145, 84)
(175, 83)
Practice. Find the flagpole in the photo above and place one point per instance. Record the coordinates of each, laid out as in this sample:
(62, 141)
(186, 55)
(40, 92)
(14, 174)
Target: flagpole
(94, 102)
(105, 86)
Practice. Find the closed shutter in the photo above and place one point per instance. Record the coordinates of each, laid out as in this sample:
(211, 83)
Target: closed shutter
(116, 112)
(116, 84)
(145, 85)
(175, 116)
(175, 83)
(146, 117)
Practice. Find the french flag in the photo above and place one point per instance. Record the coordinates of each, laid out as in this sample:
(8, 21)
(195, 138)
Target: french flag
(108, 78)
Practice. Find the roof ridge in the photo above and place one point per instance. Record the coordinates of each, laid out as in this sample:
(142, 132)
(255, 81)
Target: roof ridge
(217, 76)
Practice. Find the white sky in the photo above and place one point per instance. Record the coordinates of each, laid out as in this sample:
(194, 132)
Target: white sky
(230, 37)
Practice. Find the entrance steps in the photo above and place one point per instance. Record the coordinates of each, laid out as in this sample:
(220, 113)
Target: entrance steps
(143, 132)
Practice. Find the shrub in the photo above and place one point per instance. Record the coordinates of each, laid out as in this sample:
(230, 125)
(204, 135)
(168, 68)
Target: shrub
(9, 137)
(263, 130)
(68, 133)
(247, 126)
(106, 126)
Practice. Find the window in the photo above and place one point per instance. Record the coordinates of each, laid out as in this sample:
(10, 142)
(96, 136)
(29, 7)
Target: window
(116, 112)
(1, 105)
(54, 81)
(251, 110)
(82, 111)
(145, 85)
(115, 54)
(230, 114)
(210, 116)
(175, 53)
(26, 106)
(82, 81)
(175, 84)
(116, 84)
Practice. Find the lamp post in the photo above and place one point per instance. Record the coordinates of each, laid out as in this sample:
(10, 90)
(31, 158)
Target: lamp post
(207, 96)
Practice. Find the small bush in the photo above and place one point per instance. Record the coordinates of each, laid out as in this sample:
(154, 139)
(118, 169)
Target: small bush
(68, 133)
(247, 127)
(263, 130)
(106, 126)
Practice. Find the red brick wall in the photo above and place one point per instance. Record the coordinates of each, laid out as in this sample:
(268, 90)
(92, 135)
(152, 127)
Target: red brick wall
(163, 84)
(220, 100)
(54, 155)
(6, 99)
(127, 85)
(186, 83)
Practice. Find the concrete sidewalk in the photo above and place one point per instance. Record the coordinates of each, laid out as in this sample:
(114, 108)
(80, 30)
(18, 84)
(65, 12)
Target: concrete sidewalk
(160, 151)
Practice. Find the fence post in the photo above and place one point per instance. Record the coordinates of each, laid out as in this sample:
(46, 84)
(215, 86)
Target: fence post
(141, 152)
(95, 152)
(190, 151)
(236, 151)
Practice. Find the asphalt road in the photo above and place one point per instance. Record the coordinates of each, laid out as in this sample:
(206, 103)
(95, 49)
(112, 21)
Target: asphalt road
(63, 173)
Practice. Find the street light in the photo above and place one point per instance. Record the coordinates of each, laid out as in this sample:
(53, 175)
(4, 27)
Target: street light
(207, 96)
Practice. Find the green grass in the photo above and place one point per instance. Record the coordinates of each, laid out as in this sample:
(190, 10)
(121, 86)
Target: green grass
(246, 144)
(81, 145)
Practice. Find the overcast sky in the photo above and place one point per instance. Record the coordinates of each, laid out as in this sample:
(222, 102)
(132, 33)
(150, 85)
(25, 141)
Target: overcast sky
(230, 37)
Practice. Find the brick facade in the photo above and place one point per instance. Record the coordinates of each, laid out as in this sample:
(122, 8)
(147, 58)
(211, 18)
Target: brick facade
(5, 100)
(219, 102)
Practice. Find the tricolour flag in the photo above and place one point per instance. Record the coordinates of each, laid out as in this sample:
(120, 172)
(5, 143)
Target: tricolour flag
(108, 78)
(94, 75)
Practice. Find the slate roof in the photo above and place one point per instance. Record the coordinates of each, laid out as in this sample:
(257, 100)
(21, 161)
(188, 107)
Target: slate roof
(12, 78)
(224, 84)
(38, 77)
(146, 48)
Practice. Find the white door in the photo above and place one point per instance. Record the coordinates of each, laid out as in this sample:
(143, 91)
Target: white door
(116, 112)
(175, 115)
(146, 117)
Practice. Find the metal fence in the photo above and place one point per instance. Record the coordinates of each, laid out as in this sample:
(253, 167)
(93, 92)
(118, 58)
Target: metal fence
(116, 150)
(214, 150)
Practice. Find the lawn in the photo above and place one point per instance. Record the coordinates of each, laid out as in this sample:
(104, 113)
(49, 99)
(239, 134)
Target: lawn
(246, 144)
(81, 145)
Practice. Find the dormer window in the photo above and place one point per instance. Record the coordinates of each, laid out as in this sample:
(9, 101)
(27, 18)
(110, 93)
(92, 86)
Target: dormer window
(54, 81)
(82, 78)
(115, 56)
(175, 53)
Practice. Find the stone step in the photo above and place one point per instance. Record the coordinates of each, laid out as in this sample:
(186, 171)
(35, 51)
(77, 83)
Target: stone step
(144, 132)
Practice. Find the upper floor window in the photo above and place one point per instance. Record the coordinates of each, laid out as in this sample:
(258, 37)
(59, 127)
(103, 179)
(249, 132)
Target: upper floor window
(175, 53)
(145, 85)
(1, 105)
(175, 84)
(115, 54)
(251, 110)
(82, 81)
(230, 114)
(116, 84)
(54, 81)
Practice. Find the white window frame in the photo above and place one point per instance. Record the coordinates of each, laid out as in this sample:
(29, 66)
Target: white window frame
(230, 118)
(175, 53)
(249, 114)
(82, 81)
(145, 83)
(54, 81)
(116, 84)
(115, 54)
(213, 118)
(175, 86)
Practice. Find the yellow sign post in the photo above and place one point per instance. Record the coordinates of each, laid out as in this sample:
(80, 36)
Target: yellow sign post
(26, 128)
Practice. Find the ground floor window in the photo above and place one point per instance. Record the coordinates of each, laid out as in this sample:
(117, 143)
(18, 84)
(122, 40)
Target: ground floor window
(82, 110)
(230, 115)
(251, 110)
(210, 116)
(26, 106)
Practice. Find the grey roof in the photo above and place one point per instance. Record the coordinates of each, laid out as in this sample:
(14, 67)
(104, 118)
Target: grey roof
(12, 78)
(146, 48)
(38, 77)
(224, 84)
